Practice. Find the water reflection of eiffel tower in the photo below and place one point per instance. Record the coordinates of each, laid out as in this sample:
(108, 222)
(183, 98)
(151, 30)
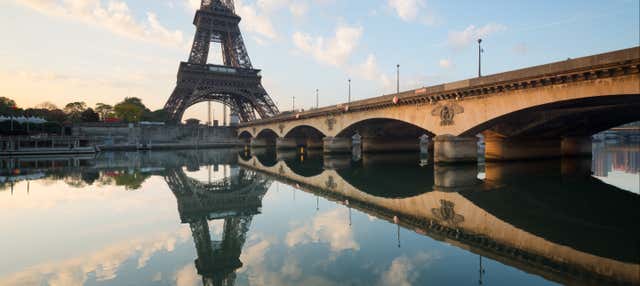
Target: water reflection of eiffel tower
(235, 199)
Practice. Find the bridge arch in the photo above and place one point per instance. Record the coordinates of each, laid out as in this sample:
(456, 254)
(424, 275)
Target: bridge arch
(245, 136)
(572, 117)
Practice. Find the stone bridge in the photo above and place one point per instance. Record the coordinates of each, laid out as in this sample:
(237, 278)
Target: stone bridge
(542, 111)
(448, 210)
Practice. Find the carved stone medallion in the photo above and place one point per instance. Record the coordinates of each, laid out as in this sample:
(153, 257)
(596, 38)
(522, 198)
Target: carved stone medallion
(447, 112)
(331, 121)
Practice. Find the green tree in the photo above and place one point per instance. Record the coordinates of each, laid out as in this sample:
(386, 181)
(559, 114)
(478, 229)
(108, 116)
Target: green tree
(104, 110)
(8, 107)
(89, 116)
(128, 112)
(159, 115)
(74, 110)
(130, 109)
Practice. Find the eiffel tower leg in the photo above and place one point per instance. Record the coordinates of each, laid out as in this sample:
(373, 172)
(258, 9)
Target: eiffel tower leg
(178, 103)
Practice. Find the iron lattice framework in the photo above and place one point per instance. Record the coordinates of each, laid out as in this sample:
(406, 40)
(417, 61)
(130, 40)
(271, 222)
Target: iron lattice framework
(235, 84)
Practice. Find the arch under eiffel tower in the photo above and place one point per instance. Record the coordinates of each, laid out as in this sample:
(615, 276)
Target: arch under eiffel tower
(235, 84)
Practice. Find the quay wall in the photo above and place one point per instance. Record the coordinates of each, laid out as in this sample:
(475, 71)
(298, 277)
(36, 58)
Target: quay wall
(122, 134)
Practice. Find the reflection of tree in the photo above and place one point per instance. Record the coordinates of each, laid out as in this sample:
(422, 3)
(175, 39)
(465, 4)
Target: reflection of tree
(75, 181)
(130, 180)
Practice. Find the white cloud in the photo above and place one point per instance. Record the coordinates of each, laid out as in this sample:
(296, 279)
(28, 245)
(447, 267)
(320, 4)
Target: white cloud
(255, 20)
(407, 10)
(460, 39)
(445, 63)
(413, 10)
(331, 51)
(370, 70)
(298, 8)
(115, 17)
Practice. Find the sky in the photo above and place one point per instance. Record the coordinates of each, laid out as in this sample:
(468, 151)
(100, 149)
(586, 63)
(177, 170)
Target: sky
(105, 50)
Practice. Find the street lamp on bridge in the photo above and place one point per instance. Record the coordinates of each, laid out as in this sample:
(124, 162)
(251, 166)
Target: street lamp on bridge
(349, 100)
(398, 78)
(480, 51)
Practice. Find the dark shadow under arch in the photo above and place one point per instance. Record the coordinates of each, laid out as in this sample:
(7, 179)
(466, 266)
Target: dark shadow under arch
(376, 127)
(578, 117)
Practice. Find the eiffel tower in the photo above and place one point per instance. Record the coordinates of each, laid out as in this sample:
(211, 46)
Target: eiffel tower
(235, 84)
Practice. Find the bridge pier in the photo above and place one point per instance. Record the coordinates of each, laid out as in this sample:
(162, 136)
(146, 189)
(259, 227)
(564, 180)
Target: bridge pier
(576, 146)
(455, 149)
(336, 145)
(260, 142)
(286, 143)
(455, 178)
(506, 149)
(380, 144)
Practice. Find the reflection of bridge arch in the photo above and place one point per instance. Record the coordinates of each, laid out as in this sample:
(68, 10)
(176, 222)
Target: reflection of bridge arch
(235, 199)
(457, 218)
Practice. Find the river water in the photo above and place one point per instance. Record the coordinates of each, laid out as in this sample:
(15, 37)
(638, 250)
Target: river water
(260, 217)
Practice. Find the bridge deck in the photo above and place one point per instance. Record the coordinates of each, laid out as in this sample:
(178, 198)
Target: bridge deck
(562, 71)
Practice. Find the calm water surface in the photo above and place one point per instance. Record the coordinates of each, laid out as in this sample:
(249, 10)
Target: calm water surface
(219, 217)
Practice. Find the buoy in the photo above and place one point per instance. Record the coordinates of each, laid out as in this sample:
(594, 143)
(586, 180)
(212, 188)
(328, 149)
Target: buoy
(395, 219)
(395, 100)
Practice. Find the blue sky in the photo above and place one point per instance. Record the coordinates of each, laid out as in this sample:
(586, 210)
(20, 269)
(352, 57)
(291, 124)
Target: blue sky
(104, 50)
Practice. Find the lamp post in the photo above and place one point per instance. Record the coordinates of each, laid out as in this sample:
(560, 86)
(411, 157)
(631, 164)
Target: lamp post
(480, 57)
(317, 99)
(398, 78)
(209, 123)
(293, 105)
(349, 91)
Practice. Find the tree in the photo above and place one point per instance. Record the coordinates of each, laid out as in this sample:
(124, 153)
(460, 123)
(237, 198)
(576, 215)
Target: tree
(159, 115)
(89, 116)
(8, 107)
(104, 110)
(128, 112)
(134, 101)
(46, 105)
(74, 110)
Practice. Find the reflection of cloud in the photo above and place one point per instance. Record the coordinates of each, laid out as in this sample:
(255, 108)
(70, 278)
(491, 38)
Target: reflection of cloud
(187, 276)
(402, 270)
(254, 254)
(103, 263)
(329, 227)
(291, 268)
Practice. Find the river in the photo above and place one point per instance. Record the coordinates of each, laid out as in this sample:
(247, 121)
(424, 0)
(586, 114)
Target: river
(260, 217)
